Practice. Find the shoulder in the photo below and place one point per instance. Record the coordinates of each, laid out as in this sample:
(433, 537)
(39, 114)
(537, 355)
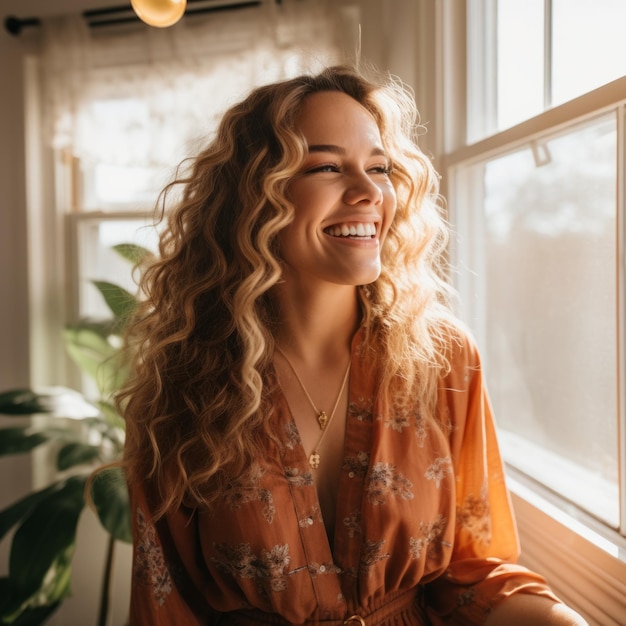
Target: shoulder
(458, 346)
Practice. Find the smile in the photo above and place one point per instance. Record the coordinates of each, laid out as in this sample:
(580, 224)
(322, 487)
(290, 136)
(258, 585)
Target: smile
(366, 230)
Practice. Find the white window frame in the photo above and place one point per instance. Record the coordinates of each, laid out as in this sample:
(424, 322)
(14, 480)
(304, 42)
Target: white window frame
(583, 560)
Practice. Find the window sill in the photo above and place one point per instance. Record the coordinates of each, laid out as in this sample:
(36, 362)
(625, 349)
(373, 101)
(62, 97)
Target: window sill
(586, 568)
(573, 482)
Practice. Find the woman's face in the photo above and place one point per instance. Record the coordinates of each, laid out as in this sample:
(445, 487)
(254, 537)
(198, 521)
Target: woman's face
(343, 197)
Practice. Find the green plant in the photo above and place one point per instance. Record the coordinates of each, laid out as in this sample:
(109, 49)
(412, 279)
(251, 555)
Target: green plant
(83, 434)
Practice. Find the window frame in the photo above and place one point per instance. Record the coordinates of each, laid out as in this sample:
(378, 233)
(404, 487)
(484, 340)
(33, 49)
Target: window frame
(607, 99)
(551, 534)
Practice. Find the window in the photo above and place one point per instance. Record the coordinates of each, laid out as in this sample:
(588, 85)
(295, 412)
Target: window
(127, 106)
(536, 196)
(548, 288)
(550, 51)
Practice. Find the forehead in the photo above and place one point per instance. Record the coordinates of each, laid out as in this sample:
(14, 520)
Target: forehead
(327, 116)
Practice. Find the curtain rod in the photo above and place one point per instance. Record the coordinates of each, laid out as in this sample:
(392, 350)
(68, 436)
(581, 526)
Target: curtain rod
(109, 16)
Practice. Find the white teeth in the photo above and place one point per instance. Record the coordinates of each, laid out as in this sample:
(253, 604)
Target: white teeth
(366, 229)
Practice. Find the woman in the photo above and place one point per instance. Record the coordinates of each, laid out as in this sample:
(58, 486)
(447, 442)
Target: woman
(309, 439)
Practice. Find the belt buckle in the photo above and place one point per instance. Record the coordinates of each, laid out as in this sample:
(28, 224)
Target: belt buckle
(355, 619)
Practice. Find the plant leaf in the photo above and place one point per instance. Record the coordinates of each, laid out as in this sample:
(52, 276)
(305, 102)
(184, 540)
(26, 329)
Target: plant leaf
(103, 328)
(6, 591)
(32, 616)
(110, 497)
(53, 401)
(111, 415)
(22, 615)
(132, 252)
(95, 356)
(121, 302)
(56, 586)
(20, 440)
(75, 453)
(46, 533)
(12, 514)
(112, 375)
(21, 402)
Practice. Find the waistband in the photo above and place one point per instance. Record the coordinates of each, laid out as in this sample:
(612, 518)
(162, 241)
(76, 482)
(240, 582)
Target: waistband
(392, 605)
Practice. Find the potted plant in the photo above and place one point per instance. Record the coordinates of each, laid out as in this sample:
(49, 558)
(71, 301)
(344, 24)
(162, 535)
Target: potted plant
(83, 434)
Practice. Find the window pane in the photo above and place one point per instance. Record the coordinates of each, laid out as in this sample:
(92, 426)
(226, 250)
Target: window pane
(128, 171)
(98, 261)
(520, 61)
(550, 301)
(589, 46)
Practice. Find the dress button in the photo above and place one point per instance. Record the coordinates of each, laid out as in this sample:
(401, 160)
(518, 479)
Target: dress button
(351, 474)
(322, 568)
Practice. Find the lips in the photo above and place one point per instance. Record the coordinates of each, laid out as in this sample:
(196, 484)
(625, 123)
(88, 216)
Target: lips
(353, 229)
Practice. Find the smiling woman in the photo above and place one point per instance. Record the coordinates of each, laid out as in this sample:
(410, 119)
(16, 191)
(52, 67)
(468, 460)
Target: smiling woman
(309, 437)
(343, 188)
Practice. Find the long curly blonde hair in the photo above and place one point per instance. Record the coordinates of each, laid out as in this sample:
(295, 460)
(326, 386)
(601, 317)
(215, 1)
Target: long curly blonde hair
(198, 401)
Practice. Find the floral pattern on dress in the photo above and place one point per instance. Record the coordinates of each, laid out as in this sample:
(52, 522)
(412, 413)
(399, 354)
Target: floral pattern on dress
(372, 553)
(149, 563)
(402, 416)
(466, 597)
(429, 539)
(396, 421)
(353, 524)
(240, 562)
(247, 489)
(444, 421)
(439, 469)
(421, 432)
(385, 480)
(297, 478)
(317, 569)
(315, 515)
(292, 436)
(473, 516)
(357, 466)
(361, 410)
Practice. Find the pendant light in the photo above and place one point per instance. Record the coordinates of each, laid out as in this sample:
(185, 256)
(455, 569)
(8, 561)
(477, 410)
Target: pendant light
(159, 13)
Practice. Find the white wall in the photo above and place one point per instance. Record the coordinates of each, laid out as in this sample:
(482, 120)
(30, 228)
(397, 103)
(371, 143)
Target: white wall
(14, 344)
(389, 40)
(16, 368)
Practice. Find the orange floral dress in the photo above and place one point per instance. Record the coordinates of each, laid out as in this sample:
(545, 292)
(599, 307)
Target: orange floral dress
(424, 531)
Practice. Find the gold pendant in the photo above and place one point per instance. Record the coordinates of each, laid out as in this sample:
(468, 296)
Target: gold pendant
(314, 460)
(322, 418)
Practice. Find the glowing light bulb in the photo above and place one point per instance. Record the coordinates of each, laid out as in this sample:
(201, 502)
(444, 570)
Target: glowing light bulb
(159, 13)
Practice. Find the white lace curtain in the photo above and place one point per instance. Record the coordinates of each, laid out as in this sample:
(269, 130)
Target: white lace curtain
(144, 96)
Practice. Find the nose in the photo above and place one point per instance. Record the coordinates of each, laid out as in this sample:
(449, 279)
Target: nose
(362, 189)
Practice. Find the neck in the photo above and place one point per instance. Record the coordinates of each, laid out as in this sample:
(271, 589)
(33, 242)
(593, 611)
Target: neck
(317, 325)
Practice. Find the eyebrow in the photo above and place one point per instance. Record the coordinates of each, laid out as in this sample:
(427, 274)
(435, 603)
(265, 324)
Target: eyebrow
(339, 150)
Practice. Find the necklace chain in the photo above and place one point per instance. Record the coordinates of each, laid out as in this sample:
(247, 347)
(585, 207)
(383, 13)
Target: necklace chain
(322, 418)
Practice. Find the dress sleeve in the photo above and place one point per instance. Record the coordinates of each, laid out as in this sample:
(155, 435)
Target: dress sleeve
(483, 569)
(166, 577)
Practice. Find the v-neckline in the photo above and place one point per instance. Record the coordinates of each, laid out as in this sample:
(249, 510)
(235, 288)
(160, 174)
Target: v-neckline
(303, 462)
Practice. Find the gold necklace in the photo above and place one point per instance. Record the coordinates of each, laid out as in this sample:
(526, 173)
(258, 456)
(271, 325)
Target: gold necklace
(322, 418)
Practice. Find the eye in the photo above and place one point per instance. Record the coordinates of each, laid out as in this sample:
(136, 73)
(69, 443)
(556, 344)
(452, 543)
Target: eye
(326, 167)
(381, 169)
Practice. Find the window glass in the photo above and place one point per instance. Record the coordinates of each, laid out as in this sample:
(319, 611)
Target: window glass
(589, 46)
(97, 260)
(520, 54)
(586, 48)
(550, 298)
